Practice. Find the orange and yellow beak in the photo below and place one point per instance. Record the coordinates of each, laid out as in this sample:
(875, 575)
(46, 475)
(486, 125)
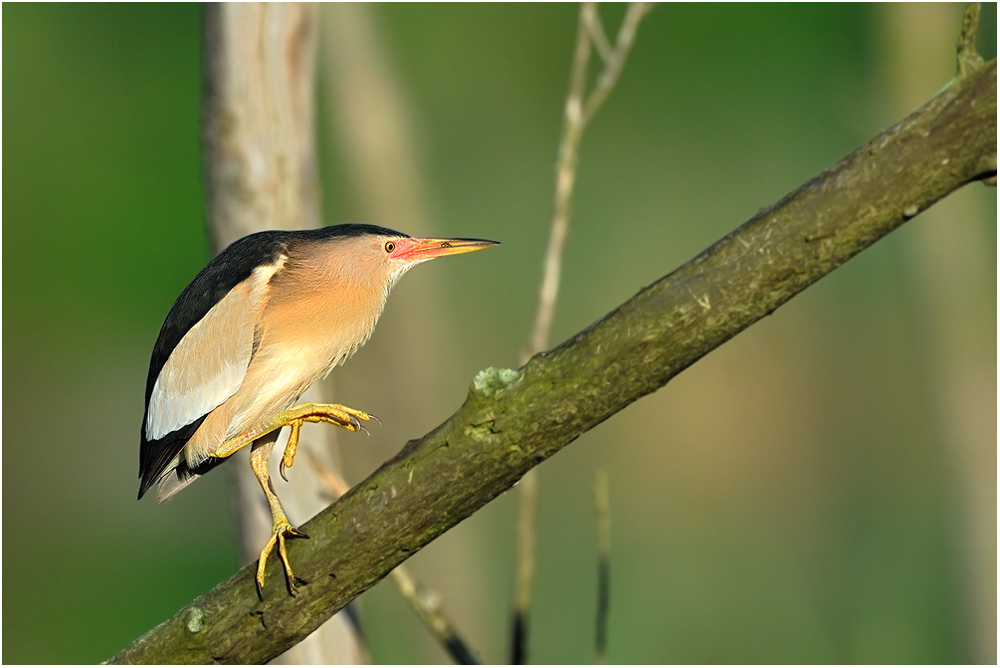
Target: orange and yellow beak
(419, 250)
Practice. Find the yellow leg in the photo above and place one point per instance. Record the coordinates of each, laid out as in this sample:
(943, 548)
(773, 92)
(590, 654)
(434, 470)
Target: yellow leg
(280, 526)
(342, 416)
(263, 437)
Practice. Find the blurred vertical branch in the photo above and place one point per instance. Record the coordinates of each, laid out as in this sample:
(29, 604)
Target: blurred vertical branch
(260, 163)
(951, 257)
(370, 116)
(261, 173)
(579, 110)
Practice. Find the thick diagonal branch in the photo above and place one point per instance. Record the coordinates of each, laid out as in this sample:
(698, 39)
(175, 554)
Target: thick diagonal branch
(513, 420)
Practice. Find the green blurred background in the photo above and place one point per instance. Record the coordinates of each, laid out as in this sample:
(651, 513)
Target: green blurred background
(820, 489)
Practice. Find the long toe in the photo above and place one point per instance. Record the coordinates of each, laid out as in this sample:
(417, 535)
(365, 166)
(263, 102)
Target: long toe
(262, 564)
(289, 576)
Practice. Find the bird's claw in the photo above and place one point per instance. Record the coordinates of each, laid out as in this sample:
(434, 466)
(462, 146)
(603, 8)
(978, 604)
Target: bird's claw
(279, 531)
(358, 426)
(355, 423)
(348, 418)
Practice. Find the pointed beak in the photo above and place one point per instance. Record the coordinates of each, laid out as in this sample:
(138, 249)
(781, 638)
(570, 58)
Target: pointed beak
(419, 250)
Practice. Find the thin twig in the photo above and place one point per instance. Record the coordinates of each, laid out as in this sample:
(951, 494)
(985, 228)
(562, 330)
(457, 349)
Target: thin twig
(565, 177)
(613, 65)
(548, 292)
(600, 39)
(526, 523)
(602, 508)
(590, 32)
(426, 603)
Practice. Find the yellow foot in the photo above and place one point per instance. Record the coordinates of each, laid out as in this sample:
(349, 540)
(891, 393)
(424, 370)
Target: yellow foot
(342, 416)
(279, 530)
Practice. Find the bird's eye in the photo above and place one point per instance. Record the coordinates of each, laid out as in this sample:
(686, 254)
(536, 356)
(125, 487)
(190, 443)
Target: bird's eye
(389, 246)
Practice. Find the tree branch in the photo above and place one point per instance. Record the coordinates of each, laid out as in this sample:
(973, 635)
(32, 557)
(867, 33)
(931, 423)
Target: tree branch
(514, 419)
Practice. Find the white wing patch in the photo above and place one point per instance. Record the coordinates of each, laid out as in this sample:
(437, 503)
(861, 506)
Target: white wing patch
(210, 362)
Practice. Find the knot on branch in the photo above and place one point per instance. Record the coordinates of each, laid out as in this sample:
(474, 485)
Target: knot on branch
(969, 59)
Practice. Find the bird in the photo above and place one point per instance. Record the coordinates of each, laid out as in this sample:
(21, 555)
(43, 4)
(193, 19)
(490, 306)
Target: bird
(267, 317)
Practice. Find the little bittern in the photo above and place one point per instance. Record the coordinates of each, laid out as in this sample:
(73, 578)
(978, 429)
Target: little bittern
(267, 317)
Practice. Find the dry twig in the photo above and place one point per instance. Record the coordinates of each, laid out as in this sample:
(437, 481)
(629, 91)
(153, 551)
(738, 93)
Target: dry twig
(590, 32)
(427, 605)
(602, 508)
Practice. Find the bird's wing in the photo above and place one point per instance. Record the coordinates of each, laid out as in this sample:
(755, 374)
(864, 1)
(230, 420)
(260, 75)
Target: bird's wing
(204, 348)
(208, 365)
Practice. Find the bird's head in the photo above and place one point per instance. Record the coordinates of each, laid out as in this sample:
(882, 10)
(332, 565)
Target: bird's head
(376, 255)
